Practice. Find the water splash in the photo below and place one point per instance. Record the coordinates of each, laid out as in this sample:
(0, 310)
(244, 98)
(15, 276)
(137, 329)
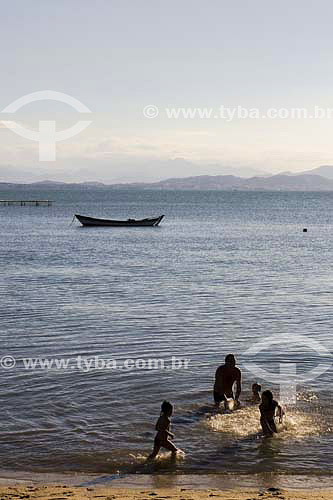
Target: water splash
(307, 396)
(241, 423)
(245, 422)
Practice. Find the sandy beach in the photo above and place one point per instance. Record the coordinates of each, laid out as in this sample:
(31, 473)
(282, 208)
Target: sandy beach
(64, 492)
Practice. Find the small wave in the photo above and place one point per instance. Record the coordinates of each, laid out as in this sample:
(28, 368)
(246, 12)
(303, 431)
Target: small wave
(163, 456)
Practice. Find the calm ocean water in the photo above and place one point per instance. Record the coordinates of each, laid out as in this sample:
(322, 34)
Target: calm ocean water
(224, 271)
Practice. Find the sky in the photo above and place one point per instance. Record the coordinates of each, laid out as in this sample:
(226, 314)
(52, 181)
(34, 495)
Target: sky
(126, 61)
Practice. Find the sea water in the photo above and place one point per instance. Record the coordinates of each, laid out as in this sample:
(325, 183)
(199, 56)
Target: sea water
(223, 272)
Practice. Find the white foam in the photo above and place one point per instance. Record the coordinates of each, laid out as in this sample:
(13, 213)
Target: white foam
(240, 423)
(245, 422)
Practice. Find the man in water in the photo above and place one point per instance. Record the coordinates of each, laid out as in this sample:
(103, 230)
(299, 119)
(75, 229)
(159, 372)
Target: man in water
(225, 377)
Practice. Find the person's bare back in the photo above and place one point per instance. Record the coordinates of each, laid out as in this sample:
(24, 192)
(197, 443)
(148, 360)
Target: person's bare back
(225, 377)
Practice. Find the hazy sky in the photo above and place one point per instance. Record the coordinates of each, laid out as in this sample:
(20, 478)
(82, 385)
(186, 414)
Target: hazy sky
(119, 56)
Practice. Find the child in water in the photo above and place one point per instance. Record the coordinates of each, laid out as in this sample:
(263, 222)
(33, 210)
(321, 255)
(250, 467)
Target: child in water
(163, 431)
(269, 409)
(256, 389)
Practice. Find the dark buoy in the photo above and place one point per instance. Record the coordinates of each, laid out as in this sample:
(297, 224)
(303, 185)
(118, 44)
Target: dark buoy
(305, 230)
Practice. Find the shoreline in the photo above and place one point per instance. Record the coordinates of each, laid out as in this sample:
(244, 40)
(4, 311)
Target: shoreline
(198, 482)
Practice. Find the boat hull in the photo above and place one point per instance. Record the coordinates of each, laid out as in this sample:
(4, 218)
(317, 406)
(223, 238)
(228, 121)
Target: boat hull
(92, 221)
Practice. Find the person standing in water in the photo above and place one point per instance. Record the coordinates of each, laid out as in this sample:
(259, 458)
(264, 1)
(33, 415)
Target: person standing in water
(225, 377)
(269, 410)
(163, 431)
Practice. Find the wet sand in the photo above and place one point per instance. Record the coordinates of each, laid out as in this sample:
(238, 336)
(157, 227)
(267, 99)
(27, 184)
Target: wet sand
(65, 492)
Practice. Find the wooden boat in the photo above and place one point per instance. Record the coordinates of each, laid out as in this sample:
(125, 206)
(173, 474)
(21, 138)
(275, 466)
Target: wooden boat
(92, 221)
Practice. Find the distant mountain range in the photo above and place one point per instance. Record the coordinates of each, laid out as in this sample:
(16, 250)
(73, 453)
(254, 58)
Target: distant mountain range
(318, 179)
(115, 171)
(281, 182)
(305, 182)
(324, 171)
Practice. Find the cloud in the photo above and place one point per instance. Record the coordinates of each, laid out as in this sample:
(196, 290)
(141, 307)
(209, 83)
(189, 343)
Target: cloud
(10, 124)
(3, 124)
(112, 152)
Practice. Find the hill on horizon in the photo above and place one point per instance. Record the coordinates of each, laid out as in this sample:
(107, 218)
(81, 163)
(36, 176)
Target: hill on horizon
(279, 182)
(124, 172)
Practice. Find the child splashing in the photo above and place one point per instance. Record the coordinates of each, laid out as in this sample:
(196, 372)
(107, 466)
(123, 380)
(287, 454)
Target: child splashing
(269, 410)
(163, 432)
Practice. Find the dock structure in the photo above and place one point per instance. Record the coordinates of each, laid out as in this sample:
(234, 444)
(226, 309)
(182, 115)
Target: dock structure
(23, 203)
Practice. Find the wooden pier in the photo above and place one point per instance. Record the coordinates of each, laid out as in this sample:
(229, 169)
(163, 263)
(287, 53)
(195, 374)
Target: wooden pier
(23, 203)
